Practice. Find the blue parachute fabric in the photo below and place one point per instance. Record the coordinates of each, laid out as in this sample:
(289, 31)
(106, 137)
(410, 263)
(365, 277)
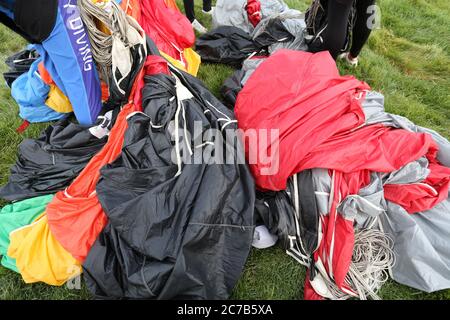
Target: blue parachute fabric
(30, 93)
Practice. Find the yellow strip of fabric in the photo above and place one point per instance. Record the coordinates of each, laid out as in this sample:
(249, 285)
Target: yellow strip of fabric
(39, 256)
(192, 58)
(58, 101)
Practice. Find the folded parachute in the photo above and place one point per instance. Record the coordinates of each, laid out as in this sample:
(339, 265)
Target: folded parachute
(39, 256)
(17, 215)
(231, 44)
(228, 45)
(177, 229)
(50, 249)
(247, 14)
(75, 215)
(30, 93)
(50, 163)
(234, 13)
(310, 117)
(314, 111)
(171, 31)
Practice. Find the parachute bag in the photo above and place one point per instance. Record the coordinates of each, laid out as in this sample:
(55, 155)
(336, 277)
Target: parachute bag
(18, 64)
(36, 18)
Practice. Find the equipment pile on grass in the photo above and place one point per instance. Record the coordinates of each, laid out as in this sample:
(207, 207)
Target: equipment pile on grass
(353, 193)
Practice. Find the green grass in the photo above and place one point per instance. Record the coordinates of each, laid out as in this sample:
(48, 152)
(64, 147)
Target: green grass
(408, 60)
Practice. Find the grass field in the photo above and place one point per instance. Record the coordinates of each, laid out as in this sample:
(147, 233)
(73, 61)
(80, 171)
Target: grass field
(408, 60)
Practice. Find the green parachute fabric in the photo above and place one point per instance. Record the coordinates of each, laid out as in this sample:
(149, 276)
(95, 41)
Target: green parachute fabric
(18, 215)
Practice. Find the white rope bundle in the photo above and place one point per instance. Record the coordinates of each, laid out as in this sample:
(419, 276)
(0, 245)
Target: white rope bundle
(372, 259)
(115, 20)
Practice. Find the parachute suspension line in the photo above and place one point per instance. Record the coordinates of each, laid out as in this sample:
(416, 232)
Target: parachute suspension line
(373, 256)
(177, 137)
(102, 24)
(128, 6)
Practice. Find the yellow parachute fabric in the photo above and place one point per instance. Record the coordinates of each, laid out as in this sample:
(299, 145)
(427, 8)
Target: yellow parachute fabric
(192, 58)
(58, 101)
(39, 256)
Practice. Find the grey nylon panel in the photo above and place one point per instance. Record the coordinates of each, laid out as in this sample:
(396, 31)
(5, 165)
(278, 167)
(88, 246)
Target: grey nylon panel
(368, 204)
(420, 239)
(420, 245)
(231, 13)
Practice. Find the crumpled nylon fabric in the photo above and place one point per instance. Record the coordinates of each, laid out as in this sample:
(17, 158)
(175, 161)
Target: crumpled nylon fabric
(231, 13)
(19, 63)
(17, 215)
(39, 256)
(337, 232)
(188, 60)
(52, 256)
(227, 45)
(58, 101)
(321, 124)
(171, 4)
(171, 31)
(316, 113)
(75, 215)
(30, 93)
(164, 239)
(253, 8)
(425, 195)
(132, 8)
(336, 249)
(192, 58)
(420, 245)
(51, 162)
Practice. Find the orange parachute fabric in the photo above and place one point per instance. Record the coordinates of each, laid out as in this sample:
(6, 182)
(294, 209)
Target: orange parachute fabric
(132, 8)
(172, 4)
(75, 215)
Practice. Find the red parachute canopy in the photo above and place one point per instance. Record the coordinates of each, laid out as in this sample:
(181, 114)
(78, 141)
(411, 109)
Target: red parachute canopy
(254, 12)
(316, 113)
(167, 27)
(320, 123)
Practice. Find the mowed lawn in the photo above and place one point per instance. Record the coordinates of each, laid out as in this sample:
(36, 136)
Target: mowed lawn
(408, 60)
